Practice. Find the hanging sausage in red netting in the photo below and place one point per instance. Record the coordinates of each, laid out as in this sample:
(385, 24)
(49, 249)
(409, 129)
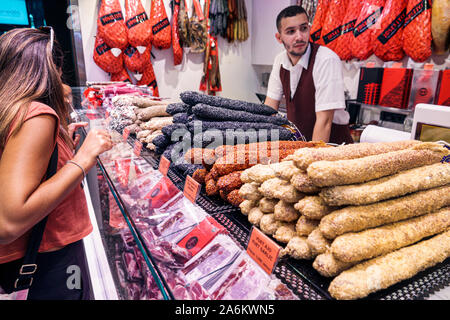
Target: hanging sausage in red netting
(343, 46)
(138, 24)
(104, 57)
(161, 29)
(110, 24)
(417, 30)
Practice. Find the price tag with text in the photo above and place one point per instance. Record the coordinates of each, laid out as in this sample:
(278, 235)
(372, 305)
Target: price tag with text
(263, 250)
(397, 65)
(428, 66)
(137, 148)
(126, 134)
(164, 165)
(191, 189)
(370, 64)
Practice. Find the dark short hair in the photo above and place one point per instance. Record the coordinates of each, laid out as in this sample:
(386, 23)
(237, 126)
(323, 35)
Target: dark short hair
(288, 12)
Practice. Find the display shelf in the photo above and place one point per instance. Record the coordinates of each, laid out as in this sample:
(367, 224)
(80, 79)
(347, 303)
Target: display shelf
(386, 109)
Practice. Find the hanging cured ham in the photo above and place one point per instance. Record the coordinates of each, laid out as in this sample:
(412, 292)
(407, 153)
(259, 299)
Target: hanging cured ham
(138, 24)
(149, 79)
(316, 28)
(161, 29)
(440, 25)
(363, 45)
(104, 57)
(417, 30)
(110, 24)
(332, 23)
(176, 45)
(183, 24)
(135, 61)
(388, 38)
(121, 76)
(343, 48)
(198, 34)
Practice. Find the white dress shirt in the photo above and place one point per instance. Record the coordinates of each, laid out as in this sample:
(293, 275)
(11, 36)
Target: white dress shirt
(327, 77)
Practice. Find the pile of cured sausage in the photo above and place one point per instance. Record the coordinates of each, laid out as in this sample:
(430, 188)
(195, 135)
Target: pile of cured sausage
(368, 215)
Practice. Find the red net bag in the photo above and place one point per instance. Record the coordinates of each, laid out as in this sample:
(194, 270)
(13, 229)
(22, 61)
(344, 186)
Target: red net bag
(363, 45)
(110, 24)
(135, 61)
(316, 28)
(343, 48)
(417, 30)
(149, 79)
(161, 30)
(388, 38)
(332, 23)
(138, 25)
(122, 76)
(177, 49)
(104, 57)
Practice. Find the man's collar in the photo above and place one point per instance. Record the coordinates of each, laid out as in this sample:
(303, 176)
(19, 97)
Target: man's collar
(303, 62)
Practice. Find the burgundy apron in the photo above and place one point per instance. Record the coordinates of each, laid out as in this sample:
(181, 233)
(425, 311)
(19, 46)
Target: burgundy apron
(301, 109)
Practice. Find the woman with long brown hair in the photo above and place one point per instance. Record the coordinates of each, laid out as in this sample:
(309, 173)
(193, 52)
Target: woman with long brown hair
(33, 120)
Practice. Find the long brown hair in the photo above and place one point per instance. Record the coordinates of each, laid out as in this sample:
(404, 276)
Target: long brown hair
(29, 71)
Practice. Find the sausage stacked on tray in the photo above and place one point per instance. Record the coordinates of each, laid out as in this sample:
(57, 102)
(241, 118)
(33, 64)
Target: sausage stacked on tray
(369, 214)
(223, 166)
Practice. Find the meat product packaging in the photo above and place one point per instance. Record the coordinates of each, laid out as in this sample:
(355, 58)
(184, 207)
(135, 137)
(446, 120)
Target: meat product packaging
(161, 193)
(423, 87)
(395, 87)
(369, 85)
(104, 57)
(135, 61)
(132, 267)
(161, 29)
(111, 25)
(210, 263)
(443, 93)
(333, 21)
(316, 28)
(342, 48)
(181, 217)
(368, 21)
(116, 219)
(121, 76)
(388, 39)
(176, 40)
(201, 235)
(138, 24)
(417, 30)
(149, 79)
(244, 280)
(125, 171)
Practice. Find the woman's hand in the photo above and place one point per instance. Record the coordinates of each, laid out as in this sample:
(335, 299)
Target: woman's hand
(74, 127)
(97, 141)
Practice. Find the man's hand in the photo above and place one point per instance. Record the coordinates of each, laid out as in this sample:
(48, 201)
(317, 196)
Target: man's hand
(272, 103)
(322, 127)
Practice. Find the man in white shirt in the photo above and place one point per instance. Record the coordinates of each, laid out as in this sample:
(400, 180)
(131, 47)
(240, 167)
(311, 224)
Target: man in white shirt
(310, 77)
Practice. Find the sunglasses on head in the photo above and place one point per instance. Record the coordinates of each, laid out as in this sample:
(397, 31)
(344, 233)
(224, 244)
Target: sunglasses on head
(49, 30)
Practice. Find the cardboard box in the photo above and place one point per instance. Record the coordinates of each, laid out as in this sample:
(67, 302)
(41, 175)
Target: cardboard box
(443, 93)
(369, 86)
(395, 87)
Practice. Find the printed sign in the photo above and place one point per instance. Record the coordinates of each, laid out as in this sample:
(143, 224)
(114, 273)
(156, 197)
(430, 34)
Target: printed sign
(164, 165)
(263, 250)
(137, 148)
(191, 189)
(126, 134)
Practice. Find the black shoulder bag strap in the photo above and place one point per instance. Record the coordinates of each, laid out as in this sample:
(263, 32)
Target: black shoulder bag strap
(29, 266)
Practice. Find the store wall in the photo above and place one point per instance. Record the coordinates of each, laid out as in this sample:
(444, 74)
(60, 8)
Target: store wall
(239, 79)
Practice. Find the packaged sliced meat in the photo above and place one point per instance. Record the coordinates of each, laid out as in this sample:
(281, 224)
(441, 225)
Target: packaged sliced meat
(367, 22)
(176, 39)
(121, 76)
(149, 79)
(111, 24)
(161, 29)
(104, 57)
(132, 267)
(244, 280)
(417, 30)
(136, 61)
(316, 28)
(138, 24)
(332, 22)
(212, 261)
(161, 193)
(388, 38)
(342, 48)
